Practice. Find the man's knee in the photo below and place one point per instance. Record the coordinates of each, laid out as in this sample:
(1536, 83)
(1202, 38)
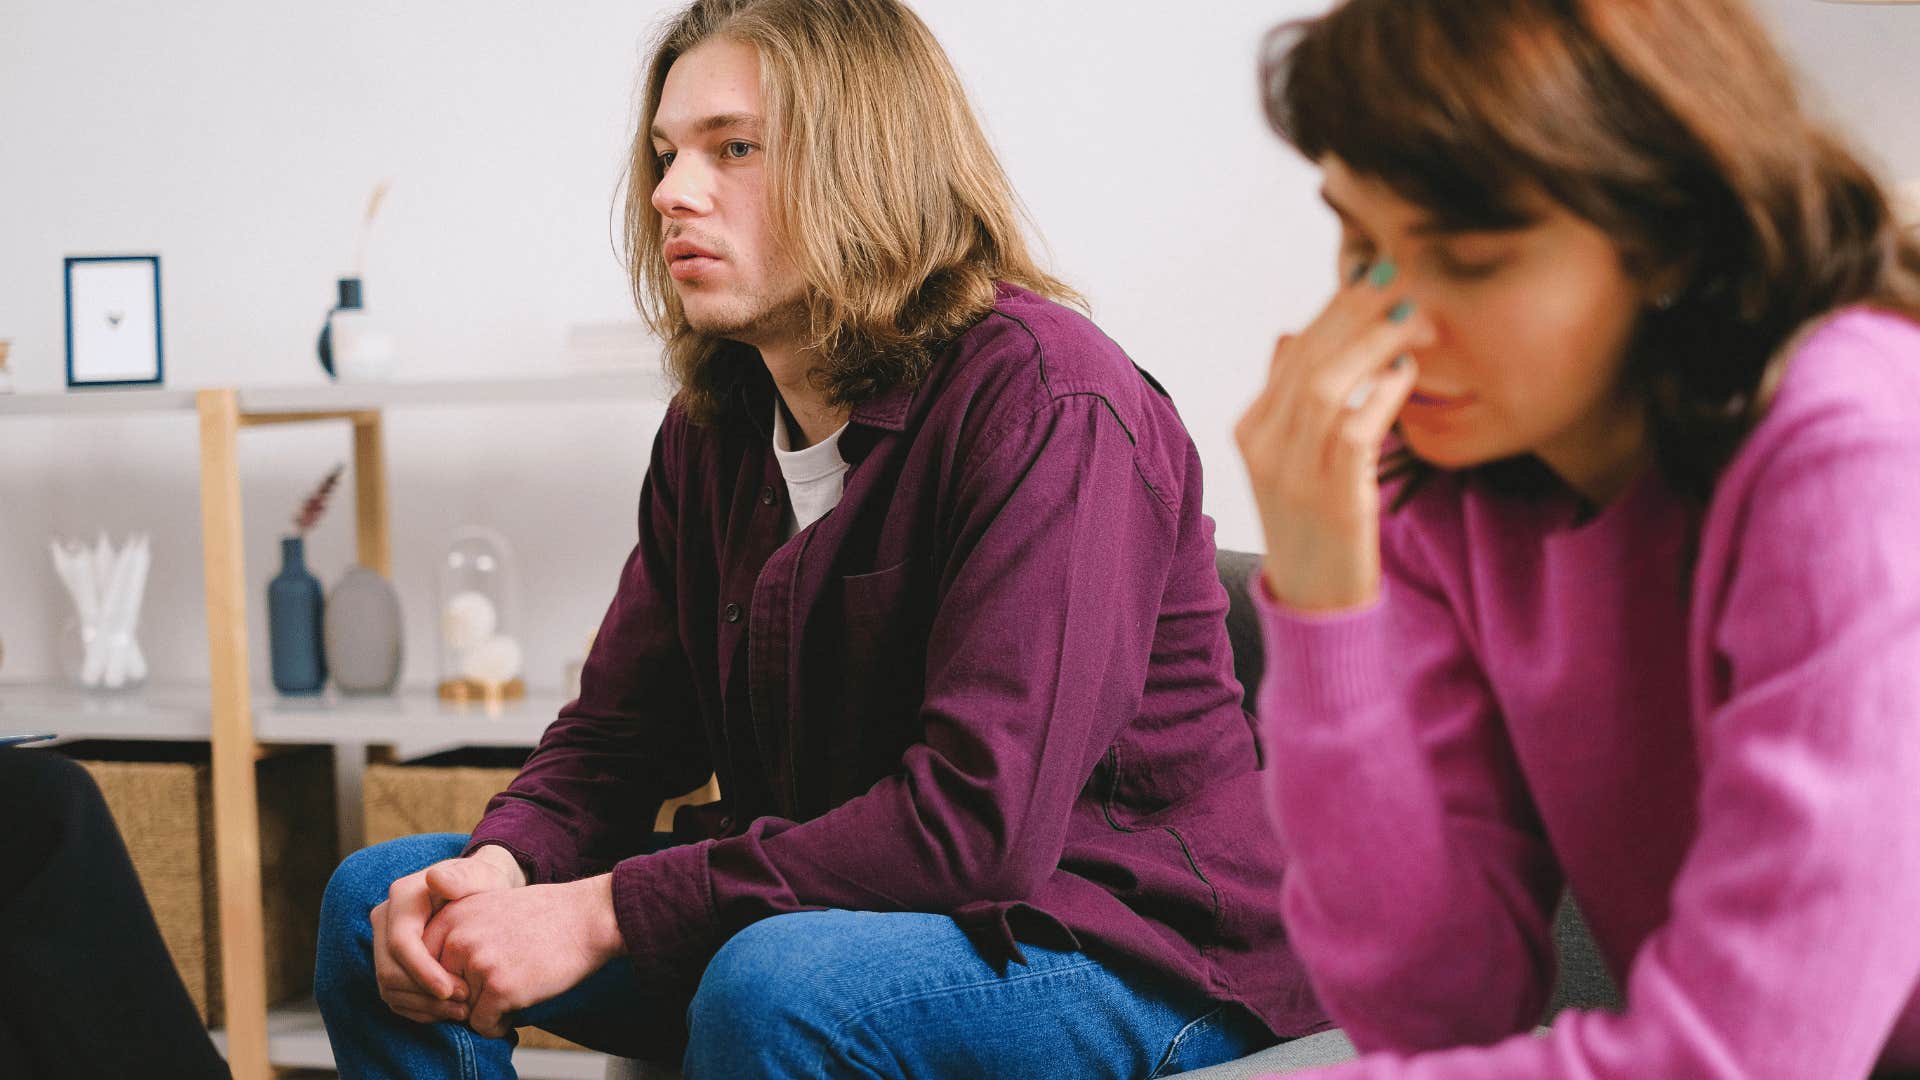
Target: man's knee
(769, 990)
(799, 994)
(762, 968)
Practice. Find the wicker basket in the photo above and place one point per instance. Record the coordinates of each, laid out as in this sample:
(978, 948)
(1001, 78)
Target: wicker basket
(448, 792)
(441, 793)
(161, 797)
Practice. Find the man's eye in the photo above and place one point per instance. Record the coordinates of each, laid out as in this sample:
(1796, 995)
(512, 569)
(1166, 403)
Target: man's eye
(737, 149)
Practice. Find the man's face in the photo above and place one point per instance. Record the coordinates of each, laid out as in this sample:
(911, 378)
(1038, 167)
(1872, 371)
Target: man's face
(732, 276)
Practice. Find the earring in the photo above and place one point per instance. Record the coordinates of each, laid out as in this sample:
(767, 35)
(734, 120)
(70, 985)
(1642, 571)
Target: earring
(1665, 301)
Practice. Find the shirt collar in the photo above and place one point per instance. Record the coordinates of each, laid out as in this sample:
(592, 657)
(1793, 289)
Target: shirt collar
(754, 392)
(888, 411)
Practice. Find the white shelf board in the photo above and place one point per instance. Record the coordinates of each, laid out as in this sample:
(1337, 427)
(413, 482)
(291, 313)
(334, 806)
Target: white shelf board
(643, 382)
(159, 711)
(412, 717)
(416, 718)
(647, 382)
(98, 402)
(297, 1039)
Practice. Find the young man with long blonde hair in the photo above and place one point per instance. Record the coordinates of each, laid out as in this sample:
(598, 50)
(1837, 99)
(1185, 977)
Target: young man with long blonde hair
(922, 574)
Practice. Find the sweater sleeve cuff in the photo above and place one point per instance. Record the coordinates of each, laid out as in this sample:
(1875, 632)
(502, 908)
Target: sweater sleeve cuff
(664, 905)
(1323, 664)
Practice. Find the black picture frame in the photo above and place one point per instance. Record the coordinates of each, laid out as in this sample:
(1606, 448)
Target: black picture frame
(109, 301)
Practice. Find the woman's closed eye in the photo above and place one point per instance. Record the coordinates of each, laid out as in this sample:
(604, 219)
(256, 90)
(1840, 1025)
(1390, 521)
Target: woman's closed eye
(1467, 264)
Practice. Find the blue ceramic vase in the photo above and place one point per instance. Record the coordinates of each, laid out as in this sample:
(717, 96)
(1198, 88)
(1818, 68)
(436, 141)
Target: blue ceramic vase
(294, 623)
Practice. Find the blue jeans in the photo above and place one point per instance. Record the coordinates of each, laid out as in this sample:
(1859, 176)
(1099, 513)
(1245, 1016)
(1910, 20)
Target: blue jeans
(820, 993)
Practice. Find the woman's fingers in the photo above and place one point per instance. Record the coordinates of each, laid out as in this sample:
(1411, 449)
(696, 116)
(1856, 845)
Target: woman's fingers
(1359, 383)
(1355, 308)
(1323, 374)
(1277, 363)
(1268, 402)
(1308, 397)
(1337, 386)
(1266, 416)
(1355, 450)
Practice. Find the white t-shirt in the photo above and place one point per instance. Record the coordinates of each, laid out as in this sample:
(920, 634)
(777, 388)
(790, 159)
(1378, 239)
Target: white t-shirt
(815, 476)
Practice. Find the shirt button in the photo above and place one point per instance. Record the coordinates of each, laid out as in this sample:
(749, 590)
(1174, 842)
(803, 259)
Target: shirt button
(733, 613)
(766, 496)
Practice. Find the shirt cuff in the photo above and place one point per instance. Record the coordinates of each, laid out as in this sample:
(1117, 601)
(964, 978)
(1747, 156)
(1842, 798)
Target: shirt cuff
(1322, 663)
(531, 841)
(664, 905)
(528, 867)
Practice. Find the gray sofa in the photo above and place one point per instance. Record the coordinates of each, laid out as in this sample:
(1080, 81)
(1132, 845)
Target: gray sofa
(1583, 981)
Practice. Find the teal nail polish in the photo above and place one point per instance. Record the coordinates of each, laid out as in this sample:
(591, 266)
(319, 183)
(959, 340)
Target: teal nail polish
(1401, 312)
(1400, 362)
(1383, 274)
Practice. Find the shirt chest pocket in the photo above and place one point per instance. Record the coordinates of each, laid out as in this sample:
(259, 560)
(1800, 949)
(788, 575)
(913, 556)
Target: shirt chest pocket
(880, 653)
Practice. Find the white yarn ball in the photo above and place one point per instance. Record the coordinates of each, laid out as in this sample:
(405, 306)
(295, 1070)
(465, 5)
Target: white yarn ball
(495, 660)
(469, 619)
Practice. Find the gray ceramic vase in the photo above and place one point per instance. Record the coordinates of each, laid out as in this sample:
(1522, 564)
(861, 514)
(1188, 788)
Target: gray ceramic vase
(363, 633)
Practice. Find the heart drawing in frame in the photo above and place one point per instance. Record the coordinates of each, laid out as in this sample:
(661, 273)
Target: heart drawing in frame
(113, 321)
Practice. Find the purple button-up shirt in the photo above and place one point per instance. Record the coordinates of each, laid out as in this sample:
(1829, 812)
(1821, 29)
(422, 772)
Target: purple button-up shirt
(993, 682)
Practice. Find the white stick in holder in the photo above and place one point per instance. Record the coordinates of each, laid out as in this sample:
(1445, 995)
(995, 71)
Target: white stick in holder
(107, 587)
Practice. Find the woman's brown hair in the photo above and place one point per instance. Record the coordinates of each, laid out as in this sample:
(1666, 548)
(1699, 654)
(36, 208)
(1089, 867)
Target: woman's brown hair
(883, 190)
(1673, 125)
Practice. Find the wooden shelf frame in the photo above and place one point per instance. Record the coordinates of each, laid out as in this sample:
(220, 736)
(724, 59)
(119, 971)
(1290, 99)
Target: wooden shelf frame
(369, 727)
(236, 822)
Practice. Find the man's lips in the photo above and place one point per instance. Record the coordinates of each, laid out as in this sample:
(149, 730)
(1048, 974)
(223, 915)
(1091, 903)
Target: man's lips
(677, 250)
(686, 259)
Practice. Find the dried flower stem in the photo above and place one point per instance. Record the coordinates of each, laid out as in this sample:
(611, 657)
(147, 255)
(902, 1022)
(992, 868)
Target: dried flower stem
(316, 504)
(366, 226)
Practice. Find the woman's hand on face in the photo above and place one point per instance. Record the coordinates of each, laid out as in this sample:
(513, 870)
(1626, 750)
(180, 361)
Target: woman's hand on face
(1312, 442)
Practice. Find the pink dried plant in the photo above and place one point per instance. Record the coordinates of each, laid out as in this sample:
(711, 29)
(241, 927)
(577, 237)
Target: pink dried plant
(316, 504)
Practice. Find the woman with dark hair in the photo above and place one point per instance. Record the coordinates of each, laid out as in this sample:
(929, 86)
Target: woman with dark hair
(1591, 502)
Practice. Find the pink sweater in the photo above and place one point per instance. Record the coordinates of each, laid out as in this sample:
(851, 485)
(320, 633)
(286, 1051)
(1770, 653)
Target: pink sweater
(1726, 770)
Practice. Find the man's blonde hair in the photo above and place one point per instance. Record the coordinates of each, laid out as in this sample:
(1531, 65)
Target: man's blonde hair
(882, 190)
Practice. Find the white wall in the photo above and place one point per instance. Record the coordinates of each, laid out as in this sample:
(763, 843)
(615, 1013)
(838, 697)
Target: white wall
(239, 140)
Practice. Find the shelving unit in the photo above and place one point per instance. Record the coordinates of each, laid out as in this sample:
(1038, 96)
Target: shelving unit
(409, 724)
(239, 723)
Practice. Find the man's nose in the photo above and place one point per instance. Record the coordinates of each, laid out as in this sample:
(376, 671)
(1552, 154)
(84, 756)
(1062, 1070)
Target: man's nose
(685, 190)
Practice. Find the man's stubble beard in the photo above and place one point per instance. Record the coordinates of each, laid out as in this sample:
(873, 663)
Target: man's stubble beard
(755, 321)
